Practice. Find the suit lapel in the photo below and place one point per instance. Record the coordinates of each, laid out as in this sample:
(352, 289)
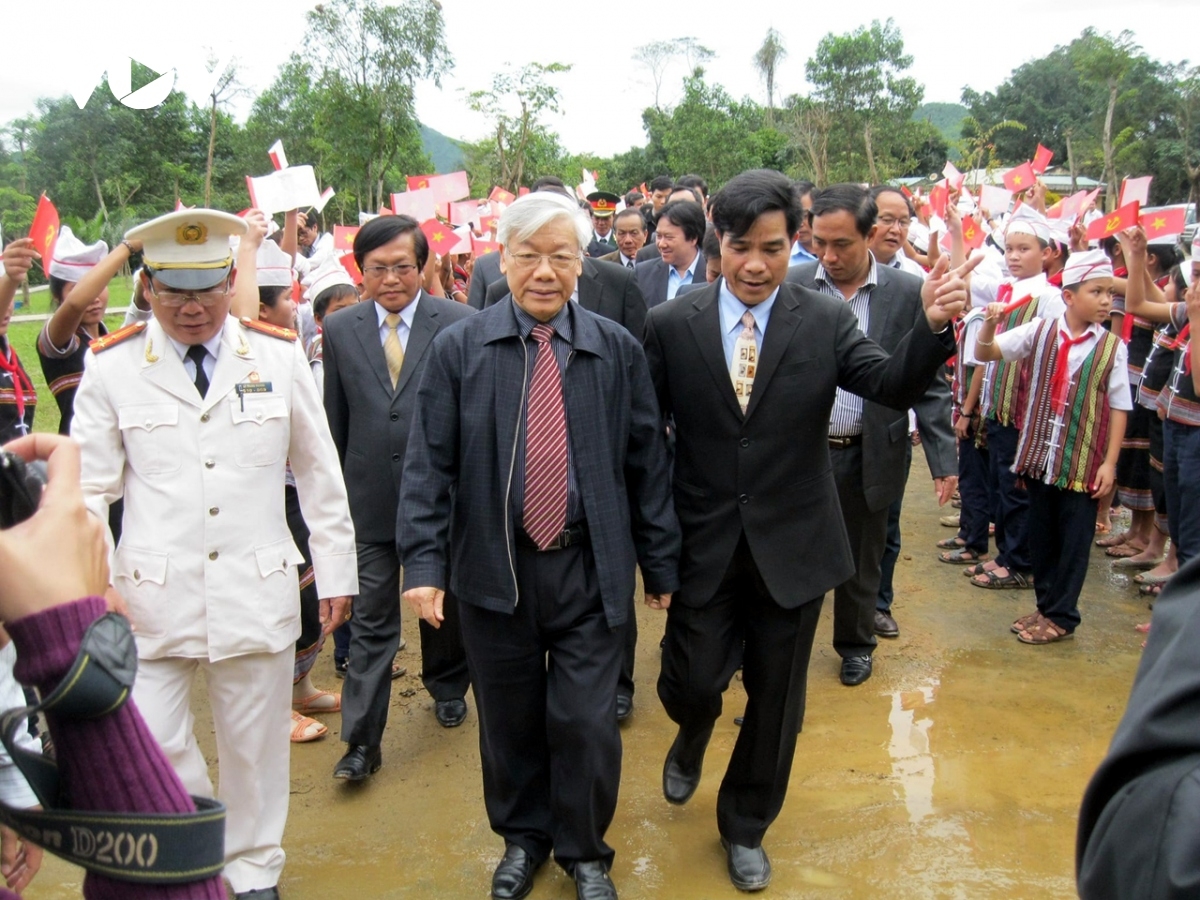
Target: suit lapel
(368, 335)
(705, 323)
(235, 362)
(785, 319)
(161, 365)
(424, 327)
(881, 308)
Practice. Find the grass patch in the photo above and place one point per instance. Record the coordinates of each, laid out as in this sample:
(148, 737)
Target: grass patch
(119, 291)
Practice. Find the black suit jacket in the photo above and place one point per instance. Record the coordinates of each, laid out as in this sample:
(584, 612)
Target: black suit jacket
(652, 278)
(767, 474)
(649, 251)
(369, 421)
(485, 272)
(607, 289)
(598, 247)
(895, 308)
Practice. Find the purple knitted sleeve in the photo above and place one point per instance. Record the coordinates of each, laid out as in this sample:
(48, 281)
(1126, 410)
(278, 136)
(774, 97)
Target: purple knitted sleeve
(111, 764)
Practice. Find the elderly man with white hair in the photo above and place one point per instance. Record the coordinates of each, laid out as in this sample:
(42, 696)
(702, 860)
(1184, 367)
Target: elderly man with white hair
(537, 477)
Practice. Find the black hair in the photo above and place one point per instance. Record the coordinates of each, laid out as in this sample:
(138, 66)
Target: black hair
(711, 245)
(1167, 255)
(327, 296)
(630, 212)
(693, 181)
(662, 183)
(552, 183)
(269, 295)
(57, 286)
(385, 229)
(695, 192)
(1107, 244)
(803, 188)
(633, 197)
(312, 218)
(1177, 277)
(685, 215)
(738, 205)
(889, 189)
(852, 198)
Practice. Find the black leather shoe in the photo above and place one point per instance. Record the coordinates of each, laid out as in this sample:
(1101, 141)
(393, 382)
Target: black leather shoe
(592, 881)
(451, 713)
(624, 707)
(359, 763)
(681, 771)
(885, 625)
(513, 878)
(259, 894)
(749, 868)
(855, 670)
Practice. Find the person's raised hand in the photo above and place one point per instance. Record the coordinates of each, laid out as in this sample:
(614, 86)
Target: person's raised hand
(59, 554)
(256, 221)
(945, 293)
(18, 258)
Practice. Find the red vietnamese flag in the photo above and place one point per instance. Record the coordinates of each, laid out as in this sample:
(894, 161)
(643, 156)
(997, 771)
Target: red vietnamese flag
(278, 157)
(44, 230)
(343, 237)
(642, 190)
(1021, 178)
(351, 267)
(419, 182)
(440, 235)
(973, 235)
(939, 199)
(1110, 223)
(906, 192)
(1041, 160)
(500, 195)
(478, 247)
(1164, 222)
(488, 223)
(448, 188)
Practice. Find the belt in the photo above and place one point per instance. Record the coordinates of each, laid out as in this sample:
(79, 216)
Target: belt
(571, 536)
(841, 443)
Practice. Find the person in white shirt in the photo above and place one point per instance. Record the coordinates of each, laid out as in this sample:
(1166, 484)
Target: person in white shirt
(894, 218)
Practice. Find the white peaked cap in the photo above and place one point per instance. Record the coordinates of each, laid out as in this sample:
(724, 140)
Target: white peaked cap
(1086, 266)
(274, 266)
(73, 258)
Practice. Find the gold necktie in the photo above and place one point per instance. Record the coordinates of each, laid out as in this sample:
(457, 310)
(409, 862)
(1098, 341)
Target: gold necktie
(392, 350)
(745, 361)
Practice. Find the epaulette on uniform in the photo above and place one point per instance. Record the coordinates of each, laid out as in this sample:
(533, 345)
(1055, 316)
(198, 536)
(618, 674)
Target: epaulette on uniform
(100, 344)
(283, 334)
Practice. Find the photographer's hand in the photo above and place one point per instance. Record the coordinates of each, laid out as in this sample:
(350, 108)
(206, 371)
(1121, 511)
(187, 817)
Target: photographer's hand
(62, 530)
(19, 859)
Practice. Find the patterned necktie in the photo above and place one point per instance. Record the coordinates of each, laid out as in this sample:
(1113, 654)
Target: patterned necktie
(629, 263)
(197, 353)
(545, 513)
(392, 351)
(745, 361)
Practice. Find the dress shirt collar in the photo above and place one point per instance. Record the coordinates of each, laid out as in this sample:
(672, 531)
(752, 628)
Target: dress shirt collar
(406, 315)
(212, 345)
(561, 323)
(732, 309)
(691, 270)
(822, 276)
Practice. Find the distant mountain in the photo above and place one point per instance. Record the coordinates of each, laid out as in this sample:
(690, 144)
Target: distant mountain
(445, 152)
(946, 118)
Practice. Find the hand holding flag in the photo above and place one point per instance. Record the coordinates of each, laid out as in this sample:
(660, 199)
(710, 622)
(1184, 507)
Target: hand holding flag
(44, 230)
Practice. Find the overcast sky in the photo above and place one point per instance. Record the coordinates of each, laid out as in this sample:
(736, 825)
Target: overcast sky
(603, 95)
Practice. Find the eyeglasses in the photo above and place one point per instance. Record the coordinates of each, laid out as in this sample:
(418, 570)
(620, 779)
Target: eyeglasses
(888, 222)
(563, 262)
(400, 270)
(174, 299)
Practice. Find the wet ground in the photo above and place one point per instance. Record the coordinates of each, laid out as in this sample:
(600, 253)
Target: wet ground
(956, 771)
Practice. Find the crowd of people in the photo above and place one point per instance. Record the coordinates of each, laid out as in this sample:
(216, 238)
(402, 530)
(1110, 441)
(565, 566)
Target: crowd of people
(722, 391)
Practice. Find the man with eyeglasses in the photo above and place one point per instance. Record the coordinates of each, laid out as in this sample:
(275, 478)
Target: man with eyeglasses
(535, 483)
(191, 418)
(374, 353)
(895, 216)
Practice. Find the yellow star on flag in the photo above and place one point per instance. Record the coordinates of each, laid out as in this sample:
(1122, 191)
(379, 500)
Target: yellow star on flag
(1159, 223)
(438, 237)
(1017, 179)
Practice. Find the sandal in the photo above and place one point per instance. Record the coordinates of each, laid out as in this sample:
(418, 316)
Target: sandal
(314, 703)
(1125, 550)
(954, 543)
(1142, 627)
(1150, 590)
(1113, 540)
(1103, 528)
(1044, 631)
(1131, 563)
(962, 555)
(1025, 622)
(305, 729)
(977, 569)
(994, 582)
(1147, 578)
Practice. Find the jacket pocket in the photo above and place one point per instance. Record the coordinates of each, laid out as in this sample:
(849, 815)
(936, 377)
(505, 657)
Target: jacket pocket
(137, 574)
(278, 557)
(795, 368)
(279, 564)
(150, 434)
(260, 428)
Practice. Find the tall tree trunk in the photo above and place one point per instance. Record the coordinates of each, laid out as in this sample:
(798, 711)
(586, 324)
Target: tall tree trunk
(1071, 164)
(870, 154)
(99, 194)
(212, 143)
(1110, 169)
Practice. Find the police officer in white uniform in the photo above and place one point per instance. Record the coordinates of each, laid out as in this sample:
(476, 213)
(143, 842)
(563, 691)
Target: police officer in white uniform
(191, 417)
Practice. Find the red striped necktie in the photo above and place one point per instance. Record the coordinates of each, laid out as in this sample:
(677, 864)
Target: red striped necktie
(545, 514)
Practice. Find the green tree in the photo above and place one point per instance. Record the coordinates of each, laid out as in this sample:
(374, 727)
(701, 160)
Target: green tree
(1106, 61)
(767, 60)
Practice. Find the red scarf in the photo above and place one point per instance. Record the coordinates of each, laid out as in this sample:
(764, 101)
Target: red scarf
(1182, 341)
(1061, 379)
(20, 381)
(1056, 278)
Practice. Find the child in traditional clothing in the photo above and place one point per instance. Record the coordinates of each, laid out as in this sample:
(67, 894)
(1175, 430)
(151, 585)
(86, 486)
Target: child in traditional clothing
(18, 398)
(1075, 409)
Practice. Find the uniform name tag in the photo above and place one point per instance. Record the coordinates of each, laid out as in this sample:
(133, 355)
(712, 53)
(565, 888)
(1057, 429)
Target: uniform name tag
(251, 387)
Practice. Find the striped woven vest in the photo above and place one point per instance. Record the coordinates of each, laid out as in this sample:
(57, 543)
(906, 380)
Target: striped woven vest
(1074, 460)
(1005, 397)
(963, 373)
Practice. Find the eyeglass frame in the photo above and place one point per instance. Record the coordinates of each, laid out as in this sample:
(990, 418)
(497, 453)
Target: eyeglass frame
(212, 297)
(526, 261)
(400, 270)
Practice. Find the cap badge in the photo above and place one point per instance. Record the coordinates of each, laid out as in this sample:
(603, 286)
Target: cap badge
(191, 233)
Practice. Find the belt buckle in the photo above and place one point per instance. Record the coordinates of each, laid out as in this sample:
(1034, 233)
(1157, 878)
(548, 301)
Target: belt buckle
(841, 443)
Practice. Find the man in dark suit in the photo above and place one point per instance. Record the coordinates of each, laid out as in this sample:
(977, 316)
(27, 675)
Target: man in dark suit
(680, 231)
(374, 353)
(755, 494)
(630, 229)
(869, 442)
(538, 418)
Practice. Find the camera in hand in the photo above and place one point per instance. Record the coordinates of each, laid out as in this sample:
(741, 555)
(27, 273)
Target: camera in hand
(21, 486)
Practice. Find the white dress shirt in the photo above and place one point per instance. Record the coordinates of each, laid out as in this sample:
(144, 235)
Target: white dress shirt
(406, 319)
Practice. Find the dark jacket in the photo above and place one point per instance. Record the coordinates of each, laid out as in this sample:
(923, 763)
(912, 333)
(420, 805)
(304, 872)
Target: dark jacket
(653, 276)
(896, 308)
(484, 273)
(768, 473)
(607, 289)
(464, 444)
(369, 421)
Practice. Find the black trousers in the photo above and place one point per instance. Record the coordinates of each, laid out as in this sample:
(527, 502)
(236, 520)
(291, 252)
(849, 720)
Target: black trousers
(976, 512)
(625, 680)
(1010, 501)
(892, 545)
(854, 601)
(374, 637)
(1062, 525)
(545, 682)
(702, 651)
(310, 604)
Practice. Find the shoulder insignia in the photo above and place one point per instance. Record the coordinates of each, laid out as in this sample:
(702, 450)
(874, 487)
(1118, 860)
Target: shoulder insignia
(116, 337)
(283, 334)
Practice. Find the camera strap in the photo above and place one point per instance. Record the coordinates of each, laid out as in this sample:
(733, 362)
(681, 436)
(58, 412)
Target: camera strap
(150, 848)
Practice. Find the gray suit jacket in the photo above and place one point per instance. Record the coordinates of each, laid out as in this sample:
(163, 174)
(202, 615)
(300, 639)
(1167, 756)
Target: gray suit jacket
(652, 278)
(607, 289)
(895, 308)
(369, 421)
(486, 271)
